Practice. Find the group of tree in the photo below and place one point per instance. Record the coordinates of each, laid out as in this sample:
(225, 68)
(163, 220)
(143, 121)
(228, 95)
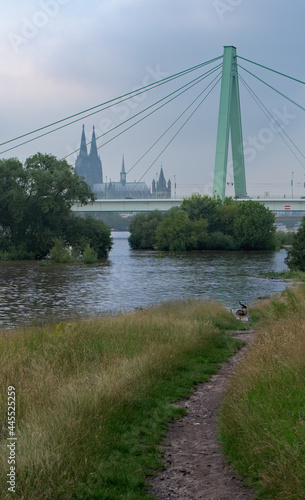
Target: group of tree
(35, 210)
(203, 222)
(295, 259)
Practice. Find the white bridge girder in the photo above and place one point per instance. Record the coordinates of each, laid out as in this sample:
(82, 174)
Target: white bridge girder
(132, 205)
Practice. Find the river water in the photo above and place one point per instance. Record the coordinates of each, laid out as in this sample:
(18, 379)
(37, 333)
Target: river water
(129, 279)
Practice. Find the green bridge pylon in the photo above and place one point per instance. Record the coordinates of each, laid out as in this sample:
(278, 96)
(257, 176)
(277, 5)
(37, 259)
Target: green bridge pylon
(229, 120)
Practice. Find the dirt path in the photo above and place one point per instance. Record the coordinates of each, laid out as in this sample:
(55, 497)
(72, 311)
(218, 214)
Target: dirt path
(194, 465)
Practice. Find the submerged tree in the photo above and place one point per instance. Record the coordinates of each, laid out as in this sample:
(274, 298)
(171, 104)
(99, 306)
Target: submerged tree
(35, 206)
(254, 227)
(203, 207)
(296, 254)
(143, 230)
(177, 232)
(202, 222)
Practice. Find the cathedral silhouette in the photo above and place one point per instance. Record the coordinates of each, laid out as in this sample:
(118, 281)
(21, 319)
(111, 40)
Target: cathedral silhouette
(89, 166)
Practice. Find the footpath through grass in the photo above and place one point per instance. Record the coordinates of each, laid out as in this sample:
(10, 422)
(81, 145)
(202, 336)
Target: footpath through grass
(93, 396)
(262, 423)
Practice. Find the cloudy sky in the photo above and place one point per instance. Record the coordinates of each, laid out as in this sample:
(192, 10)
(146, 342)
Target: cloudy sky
(60, 57)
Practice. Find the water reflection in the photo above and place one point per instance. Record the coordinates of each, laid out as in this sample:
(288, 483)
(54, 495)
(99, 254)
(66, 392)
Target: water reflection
(129, 279)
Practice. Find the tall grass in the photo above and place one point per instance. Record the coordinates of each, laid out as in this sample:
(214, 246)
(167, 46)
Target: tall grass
(262, 422)
(93, 396)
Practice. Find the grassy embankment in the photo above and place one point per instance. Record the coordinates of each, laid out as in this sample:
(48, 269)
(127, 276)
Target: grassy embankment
(262, 422)
(93, 396)
(289, 274)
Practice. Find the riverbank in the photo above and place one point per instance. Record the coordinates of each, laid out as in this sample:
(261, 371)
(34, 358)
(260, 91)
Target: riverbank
(93, 397)
(263, 413)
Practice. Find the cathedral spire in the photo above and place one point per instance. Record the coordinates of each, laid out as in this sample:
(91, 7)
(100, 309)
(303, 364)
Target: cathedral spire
(93, 149)
(123, 172)
(161, 180)
(83, 145)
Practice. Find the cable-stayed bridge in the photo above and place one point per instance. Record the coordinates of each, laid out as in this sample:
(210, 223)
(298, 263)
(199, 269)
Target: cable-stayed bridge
(224, 70)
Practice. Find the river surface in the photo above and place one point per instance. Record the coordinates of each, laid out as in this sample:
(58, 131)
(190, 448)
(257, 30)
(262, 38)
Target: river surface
(129, 279)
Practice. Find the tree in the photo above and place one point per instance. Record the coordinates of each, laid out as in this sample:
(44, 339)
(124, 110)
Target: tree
(35, 203)
(143, 230)
(89, 256)
(254, 227)
(177, 232)
(80, 232)
(227, 213)
(203, 207)
(202, 222)
(296, 254)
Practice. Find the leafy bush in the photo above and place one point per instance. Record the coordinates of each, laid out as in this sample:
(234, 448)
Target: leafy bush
(16, 255)
(203, 207)
(221, 241)
(59, 253)
(143, 230)
(177, 232)
(89, 255)
(295, 259)
(36, 201)
(201, 222)
(81, 231)
(253, 226)
(284, 238)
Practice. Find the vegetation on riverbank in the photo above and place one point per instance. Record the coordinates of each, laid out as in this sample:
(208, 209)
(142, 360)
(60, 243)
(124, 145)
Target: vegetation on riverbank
(296, 254)
(205, 223)
(262, 422)
(93, 396)
(284, 239)
(289, 274)
(36, 202)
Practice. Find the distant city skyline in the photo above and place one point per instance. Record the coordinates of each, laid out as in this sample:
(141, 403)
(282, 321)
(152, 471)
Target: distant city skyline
(60, 57)
(88, 165)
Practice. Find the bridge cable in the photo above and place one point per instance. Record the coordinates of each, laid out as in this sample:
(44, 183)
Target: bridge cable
(74, 121)
(179, 130)
(273, 88)
(196, 80)
(178, 118)
(273, 119)
(118, 99)
(273, 70)
(162, 135)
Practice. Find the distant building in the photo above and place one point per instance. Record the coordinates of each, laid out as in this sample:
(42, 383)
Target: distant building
(122, 189)
(89, 166)
(160, 189)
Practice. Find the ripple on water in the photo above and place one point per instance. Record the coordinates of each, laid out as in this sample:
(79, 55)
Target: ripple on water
(129, 279)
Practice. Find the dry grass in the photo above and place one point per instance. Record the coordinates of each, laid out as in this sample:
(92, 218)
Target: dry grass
(263, 415)
(94, 393)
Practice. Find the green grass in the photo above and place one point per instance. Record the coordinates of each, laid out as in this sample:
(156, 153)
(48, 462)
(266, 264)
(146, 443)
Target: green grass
(94, 396)
(262, 424)
(288, 274)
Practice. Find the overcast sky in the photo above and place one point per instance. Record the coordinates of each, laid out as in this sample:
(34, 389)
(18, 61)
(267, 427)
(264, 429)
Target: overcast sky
(59, 57)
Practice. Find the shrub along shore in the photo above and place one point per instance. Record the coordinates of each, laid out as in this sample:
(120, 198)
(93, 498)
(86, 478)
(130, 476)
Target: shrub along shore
(262, 424)
(93, 396)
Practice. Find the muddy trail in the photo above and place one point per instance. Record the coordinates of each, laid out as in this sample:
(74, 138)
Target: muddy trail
(194, 467)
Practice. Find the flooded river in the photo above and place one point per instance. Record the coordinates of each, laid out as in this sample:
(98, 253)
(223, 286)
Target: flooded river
(129, 279)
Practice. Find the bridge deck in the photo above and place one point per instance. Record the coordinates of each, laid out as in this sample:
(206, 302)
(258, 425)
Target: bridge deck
(146, 205)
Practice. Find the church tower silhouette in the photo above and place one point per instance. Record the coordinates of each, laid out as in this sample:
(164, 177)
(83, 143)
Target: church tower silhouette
(160, 189)
(89, 165)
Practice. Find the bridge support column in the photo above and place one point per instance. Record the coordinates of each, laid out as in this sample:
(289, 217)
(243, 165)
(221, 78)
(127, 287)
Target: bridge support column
(229, 119)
